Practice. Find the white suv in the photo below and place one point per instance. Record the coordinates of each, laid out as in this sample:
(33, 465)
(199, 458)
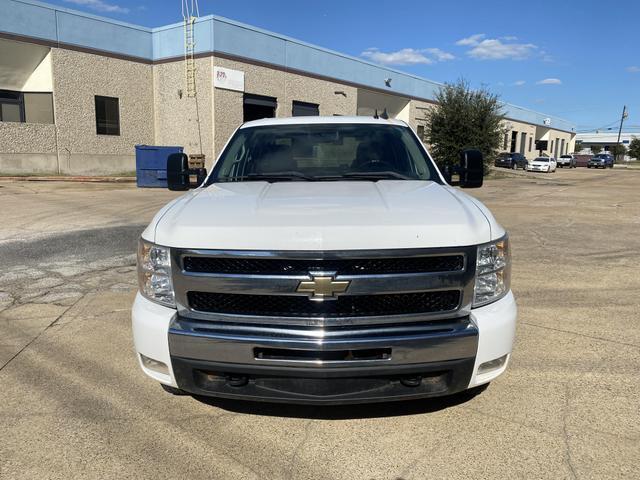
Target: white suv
(567, 161)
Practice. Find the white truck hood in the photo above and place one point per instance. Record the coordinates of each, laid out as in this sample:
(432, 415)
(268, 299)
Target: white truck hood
(351, 215)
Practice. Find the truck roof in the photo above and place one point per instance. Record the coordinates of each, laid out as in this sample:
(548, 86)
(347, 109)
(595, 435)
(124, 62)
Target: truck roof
(319, 120)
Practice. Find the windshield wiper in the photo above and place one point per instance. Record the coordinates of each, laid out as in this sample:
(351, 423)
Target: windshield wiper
(269, 177)
(375, 176)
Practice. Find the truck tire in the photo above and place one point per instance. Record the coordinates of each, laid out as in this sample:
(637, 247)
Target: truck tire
(173, 390)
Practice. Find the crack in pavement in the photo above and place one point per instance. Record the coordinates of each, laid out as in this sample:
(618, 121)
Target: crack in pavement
(592, 337)
(45, 329)
(565, 435)
(294, 456)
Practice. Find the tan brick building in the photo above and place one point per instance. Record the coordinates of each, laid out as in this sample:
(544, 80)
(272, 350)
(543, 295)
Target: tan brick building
(78, 92)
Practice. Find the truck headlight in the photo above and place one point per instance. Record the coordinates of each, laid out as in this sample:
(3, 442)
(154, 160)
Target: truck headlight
(493, 272)
(154, 273)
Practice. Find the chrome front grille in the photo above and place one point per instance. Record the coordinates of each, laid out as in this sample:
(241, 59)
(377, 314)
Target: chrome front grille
(387, 286)
(342, 306)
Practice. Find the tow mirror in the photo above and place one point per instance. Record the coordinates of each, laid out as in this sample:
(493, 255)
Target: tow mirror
(471, 169)
(179, 174)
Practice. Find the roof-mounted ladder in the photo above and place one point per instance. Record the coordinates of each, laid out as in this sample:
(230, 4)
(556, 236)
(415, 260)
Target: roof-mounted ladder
(190, 14)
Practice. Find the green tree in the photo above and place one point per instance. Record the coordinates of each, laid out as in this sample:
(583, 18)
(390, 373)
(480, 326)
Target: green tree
(462, 119)
(634, 148)
(618, 151)
(578, 146)
(596, 149)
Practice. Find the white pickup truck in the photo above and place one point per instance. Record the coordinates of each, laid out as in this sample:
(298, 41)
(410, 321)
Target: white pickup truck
(324, 260)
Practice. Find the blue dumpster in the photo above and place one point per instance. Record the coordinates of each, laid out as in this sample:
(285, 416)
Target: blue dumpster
(151, 165)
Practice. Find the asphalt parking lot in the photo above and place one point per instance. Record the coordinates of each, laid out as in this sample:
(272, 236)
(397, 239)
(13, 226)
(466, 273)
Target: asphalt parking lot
(73, 403)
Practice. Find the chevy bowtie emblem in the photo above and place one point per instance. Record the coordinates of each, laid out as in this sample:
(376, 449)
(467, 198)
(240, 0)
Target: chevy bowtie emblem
(323, 287)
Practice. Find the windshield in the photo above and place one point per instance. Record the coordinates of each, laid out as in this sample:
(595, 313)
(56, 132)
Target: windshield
(323, 152)
(541, 159)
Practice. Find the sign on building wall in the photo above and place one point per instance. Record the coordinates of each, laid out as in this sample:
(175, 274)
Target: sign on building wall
(229, 79)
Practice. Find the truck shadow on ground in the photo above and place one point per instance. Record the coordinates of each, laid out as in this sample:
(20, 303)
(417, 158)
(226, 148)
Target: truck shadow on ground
(343, 412)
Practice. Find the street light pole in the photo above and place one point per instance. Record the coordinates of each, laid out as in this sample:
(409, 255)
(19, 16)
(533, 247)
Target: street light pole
(624, 115)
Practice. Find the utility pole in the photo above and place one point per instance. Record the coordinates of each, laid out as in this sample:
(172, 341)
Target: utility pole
(625, 114)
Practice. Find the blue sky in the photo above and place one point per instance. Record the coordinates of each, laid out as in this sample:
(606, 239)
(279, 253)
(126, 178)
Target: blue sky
(579, 60)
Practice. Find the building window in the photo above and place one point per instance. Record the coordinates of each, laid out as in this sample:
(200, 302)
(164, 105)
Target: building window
(421, 132)
(304, 109)
(551, 149)
(530, 143)
(514, 140)
(256, 107)
(506, 141)
(11, 106)
(107, 116)
(29, 107)
(38, 107)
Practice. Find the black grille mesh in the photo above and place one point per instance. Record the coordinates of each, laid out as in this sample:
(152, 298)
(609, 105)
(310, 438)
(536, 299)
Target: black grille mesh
(278, 266)
(343, 306)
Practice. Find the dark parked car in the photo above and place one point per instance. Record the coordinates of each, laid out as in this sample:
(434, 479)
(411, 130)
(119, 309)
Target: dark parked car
(602, 160)
(511, 160)
(567, 161)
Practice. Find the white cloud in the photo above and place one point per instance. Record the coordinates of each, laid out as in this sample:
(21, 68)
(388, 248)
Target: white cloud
(545, 56)
(100, 6)
(472, 40)
(633, 69)
(496, 48)
(407, 56)
(549, 81)
(519, 83)
(439, 55)
(509, 38)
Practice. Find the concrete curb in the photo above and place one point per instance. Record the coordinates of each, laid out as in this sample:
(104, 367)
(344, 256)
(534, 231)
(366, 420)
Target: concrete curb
(63, 178)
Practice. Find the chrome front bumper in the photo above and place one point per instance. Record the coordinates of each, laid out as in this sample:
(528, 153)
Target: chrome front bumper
(294, 364)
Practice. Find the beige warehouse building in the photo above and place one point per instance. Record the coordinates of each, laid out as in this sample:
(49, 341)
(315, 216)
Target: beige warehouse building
(78, 92)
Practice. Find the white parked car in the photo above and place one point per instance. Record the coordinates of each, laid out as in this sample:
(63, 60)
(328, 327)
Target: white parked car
(324, 260)
(543, 164)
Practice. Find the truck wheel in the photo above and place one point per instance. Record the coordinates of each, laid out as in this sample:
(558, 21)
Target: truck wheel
(173, 390)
